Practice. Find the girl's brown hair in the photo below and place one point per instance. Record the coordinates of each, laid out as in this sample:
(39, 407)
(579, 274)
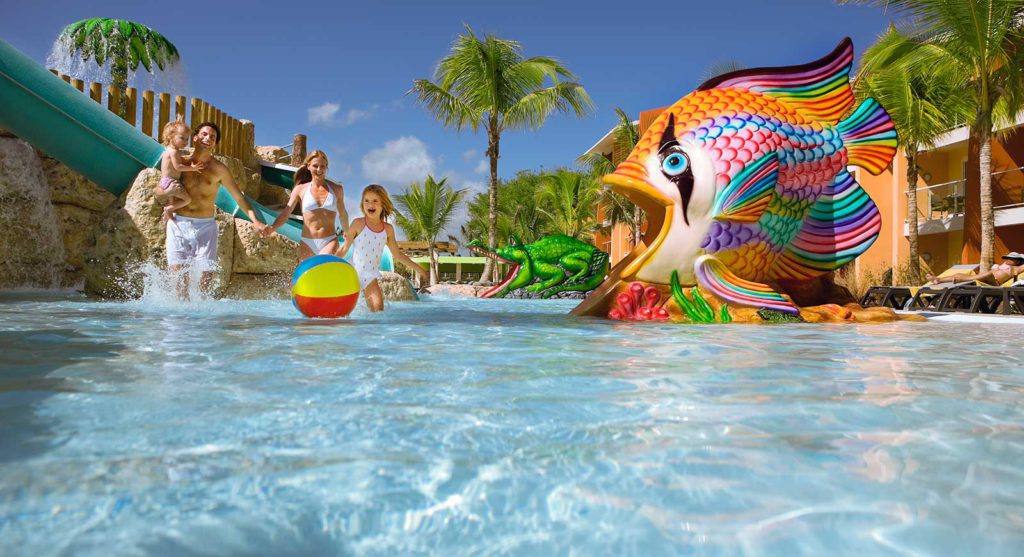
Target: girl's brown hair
(303, 175)
(169, 127)
(386, 206)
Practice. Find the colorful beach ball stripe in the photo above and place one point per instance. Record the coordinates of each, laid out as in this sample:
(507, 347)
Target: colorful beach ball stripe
(325, 286)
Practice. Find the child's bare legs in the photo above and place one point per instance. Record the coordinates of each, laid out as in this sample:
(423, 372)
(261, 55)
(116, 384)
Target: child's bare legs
(374, 297)
(177, 202)
(172, 193)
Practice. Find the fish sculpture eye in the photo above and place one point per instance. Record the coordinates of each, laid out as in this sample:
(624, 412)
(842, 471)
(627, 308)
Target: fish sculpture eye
(674, 164)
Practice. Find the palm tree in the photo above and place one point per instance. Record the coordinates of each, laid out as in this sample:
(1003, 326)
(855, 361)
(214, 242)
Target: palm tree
(616, 208)
(517, 210)
(978, 43)
(487, 82)
(922, 106)
(568, 199)
(424, 213)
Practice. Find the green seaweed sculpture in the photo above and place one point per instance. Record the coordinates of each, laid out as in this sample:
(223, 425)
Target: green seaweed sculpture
(698, 310)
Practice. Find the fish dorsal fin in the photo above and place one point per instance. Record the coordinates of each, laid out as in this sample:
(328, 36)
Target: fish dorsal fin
(748, 194)
(820, 89)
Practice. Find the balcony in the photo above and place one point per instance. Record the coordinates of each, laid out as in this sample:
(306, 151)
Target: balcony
(940, 207)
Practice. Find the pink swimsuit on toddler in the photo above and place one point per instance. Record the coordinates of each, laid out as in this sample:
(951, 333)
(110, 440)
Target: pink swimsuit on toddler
(166, 182)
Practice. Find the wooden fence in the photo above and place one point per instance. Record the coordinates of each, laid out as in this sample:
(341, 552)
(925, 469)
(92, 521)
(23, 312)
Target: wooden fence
(237, 137)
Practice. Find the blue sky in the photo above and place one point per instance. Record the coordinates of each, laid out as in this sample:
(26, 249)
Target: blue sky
(339, 71)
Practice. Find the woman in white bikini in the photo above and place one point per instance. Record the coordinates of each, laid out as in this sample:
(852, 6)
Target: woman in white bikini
(322, 201)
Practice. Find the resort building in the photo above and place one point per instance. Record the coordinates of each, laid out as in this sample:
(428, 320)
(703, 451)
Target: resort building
(948, 204)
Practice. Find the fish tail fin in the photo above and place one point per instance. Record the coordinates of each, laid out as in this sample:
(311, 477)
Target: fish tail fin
(869, 136)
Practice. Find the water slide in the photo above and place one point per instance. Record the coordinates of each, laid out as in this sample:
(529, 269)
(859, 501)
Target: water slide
(67, 125)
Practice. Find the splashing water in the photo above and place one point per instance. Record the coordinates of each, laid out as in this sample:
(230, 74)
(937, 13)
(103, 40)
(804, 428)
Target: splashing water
(160, 289)
(66, 60)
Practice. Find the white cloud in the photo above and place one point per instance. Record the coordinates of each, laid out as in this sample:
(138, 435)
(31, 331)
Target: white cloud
(326, 114)
(469, 155)
(398, 163)
(323, 114)
(482, 167)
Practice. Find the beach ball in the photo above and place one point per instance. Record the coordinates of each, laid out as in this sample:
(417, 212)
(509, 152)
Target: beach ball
(325, 286)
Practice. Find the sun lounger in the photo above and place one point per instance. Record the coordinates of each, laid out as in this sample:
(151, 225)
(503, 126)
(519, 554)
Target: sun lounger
(913, 297)
(984, 299)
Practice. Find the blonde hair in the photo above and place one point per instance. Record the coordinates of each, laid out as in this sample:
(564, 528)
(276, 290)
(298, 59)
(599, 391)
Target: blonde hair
(302, 174)
(385, 200)
(169, 127)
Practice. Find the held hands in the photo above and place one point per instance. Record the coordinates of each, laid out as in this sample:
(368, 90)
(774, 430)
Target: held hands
(264, 230)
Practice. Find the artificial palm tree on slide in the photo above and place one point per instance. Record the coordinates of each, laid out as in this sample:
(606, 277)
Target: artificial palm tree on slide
(979, 44)
(125, 44)
(424, 212)
(486, 82)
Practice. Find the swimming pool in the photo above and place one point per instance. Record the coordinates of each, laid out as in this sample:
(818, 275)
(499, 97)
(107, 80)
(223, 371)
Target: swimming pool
(499, 427)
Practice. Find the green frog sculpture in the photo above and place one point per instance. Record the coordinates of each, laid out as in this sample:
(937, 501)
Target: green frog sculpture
(546, 267)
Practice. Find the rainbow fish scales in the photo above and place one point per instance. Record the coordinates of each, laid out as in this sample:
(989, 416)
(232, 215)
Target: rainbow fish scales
(747, 176)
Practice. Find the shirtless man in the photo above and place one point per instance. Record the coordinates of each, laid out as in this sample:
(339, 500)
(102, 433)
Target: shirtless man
(192, 235)
(1000, 273)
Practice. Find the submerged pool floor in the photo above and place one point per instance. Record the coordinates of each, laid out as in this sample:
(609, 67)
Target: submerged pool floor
(500, 427)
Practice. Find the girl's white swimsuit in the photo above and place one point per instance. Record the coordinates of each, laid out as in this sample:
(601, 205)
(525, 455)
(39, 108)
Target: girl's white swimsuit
(366, 253)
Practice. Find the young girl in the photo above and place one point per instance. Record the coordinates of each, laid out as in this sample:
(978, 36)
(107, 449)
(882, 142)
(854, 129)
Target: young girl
(369, 235)
(322, 202)
(170, 192)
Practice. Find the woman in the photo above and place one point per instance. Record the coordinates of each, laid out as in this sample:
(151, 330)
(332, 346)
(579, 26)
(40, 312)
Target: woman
(322, 202)
(996, 276)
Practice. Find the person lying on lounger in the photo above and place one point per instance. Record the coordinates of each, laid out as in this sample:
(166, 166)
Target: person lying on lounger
(1012, 265)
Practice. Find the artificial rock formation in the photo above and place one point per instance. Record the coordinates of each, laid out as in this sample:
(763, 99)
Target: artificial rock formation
(31, 250)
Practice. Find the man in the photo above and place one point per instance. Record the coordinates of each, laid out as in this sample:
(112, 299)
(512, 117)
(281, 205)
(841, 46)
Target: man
(192, 233)
(996, 276)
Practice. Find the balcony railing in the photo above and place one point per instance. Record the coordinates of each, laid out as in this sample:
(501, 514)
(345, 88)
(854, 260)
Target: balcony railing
(1008, 188)
(941, 201)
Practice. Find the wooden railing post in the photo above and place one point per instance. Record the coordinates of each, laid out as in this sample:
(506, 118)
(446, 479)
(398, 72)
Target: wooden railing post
(54, 72)
(196, 109)
(78, 84)
(220, 124)
(113, 96)
(298, 149)
(147, 113)
(247, 138)
(236, 138)
(133, 102)
(66, 78)
(96, 92)
(179, 108)
(165, 112)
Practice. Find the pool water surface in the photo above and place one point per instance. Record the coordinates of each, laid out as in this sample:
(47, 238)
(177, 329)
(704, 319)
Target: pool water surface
(499, 427)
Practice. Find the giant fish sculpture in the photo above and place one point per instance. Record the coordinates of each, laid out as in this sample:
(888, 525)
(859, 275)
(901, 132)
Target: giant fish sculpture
(746, 188)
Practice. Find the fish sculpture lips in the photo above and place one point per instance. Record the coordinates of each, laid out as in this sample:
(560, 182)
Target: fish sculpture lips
(629, 179)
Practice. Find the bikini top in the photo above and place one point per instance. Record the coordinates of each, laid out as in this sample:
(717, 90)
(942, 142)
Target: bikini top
(309, 202)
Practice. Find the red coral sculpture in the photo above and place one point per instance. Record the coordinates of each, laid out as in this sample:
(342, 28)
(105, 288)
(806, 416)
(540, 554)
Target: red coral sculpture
(639, 303)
